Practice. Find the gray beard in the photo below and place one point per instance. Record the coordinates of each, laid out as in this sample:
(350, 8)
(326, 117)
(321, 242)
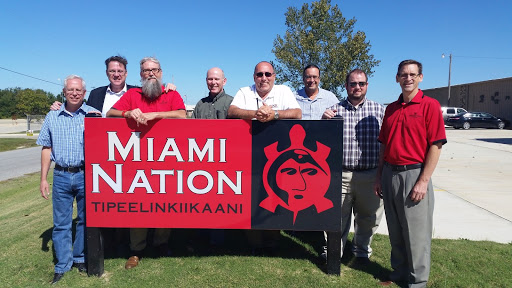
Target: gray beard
(151, 89)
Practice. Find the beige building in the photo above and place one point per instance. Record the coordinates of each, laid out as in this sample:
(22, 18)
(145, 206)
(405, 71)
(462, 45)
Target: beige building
(493, 96)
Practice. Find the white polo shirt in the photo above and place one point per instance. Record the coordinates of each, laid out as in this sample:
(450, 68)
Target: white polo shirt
(280, 98)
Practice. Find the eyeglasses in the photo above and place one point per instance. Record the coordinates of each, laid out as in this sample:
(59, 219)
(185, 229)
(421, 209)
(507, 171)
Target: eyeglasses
(267, 74)
(314, 77)
(112, 72)
(354, 84)
(71, 90)
(405, 75)
(154, 70)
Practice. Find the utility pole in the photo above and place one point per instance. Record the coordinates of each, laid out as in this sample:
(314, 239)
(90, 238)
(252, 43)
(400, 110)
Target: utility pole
(449, 78)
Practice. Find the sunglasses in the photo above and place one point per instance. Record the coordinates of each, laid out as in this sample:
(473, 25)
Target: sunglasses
(267, 74)
(354, 84)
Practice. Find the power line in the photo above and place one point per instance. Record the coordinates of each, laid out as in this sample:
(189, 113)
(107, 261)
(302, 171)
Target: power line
(31, 77)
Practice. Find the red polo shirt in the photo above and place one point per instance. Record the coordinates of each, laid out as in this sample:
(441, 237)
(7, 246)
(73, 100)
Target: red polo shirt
(133, 98)
(408, 129)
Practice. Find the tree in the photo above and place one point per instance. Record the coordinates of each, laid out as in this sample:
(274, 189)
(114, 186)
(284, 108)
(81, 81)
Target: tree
(8, 102)
(321, 36)
(33, 102)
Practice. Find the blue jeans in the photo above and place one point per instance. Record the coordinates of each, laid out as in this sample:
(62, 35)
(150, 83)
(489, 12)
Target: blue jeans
(67, 186)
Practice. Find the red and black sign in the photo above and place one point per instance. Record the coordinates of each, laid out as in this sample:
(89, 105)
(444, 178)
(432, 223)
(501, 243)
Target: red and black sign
(298, 164)
(234, 174)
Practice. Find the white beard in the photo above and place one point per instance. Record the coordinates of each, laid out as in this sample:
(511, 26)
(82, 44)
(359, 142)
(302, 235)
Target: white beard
(151, 89)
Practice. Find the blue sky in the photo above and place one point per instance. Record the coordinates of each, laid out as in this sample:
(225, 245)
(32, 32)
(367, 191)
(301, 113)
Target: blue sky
(52, 39)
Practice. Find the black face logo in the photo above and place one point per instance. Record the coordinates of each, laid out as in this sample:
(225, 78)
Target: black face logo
(297, 177)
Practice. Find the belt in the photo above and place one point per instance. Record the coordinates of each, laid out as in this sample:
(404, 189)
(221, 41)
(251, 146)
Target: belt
(358, 169)
(404, 167)
(69, 169)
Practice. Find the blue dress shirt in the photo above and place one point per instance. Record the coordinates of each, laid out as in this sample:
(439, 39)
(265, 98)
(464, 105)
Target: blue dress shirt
(313, 109)
(63, 131)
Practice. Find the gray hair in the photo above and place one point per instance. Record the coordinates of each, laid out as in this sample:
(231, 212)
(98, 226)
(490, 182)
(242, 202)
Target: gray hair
(73, 76)
(152, 59)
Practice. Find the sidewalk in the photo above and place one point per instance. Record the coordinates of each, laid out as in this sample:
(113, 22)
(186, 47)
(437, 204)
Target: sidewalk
(456, 218)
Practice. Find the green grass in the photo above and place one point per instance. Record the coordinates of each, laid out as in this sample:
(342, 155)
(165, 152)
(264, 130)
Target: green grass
(26, 257)
(7, 144)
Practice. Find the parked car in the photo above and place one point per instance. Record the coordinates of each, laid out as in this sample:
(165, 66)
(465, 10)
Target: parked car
(451, 111)
(475, 120)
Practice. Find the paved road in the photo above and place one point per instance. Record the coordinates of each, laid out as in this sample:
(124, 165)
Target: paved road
(19, 162)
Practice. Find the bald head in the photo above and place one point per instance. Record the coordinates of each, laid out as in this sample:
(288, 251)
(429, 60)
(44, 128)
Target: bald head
(215, 71)
(264, 64)
(264, 78)
(215, 81)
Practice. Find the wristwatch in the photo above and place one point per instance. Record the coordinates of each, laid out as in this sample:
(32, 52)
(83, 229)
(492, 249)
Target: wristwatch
(276, 115)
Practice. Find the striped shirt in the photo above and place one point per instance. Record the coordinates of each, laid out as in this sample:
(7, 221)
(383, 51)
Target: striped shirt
(361, 126)
(63, 131)
(314, 109)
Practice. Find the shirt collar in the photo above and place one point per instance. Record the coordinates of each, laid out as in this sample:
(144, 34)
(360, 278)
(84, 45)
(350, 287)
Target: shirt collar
(120, 93)
(417, 98)
(257, 96)
(221, 93)
(352, 107)
(78, 111)
(305, 96)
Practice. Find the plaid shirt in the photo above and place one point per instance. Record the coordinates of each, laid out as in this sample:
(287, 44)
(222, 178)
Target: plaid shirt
(63, 131)
(360, 132)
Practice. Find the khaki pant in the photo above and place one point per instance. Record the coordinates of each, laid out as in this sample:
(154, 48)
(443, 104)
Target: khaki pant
(358, 197)
(138, 238)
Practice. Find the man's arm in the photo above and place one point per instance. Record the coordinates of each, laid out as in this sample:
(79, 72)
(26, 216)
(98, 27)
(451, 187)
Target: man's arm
(56, 106)
(266, 114)
(169, 87)
(176, 114)
(329, 114)
(420, 188)
(238, 113)
(294, 113)
(44, 188)
(135, 114)
(143, 118)
(116, 113)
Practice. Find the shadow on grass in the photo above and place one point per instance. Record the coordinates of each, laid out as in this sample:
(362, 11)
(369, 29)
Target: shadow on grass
(306, 245)
(46, 236)
(379, 272)
(316, 241)
(196, 243)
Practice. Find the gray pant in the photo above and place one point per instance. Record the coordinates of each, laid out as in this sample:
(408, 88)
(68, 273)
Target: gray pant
(409, 225)
(358, 197)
